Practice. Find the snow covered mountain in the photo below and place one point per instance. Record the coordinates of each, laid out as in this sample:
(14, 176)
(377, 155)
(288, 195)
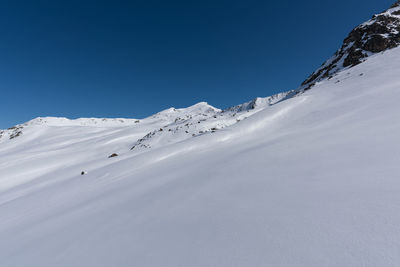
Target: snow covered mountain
(303, 178)
(166, 127)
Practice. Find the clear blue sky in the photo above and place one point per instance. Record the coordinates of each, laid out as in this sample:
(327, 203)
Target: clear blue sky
(134, 58)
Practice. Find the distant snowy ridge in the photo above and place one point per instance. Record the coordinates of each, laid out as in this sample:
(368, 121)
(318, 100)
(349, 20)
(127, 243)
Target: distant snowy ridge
(166, 127)
(261, 102)
(201, 107)
(17, 130)
(58, 121)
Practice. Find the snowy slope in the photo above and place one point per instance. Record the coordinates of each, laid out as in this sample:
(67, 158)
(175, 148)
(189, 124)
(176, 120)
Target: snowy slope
(308, 177)
(309, 181)
(46, 145)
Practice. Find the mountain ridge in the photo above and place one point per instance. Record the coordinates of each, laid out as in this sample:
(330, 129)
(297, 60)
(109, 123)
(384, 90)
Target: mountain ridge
(168, 126)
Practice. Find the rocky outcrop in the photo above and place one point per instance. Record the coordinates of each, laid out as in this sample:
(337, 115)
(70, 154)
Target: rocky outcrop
(12, 132)
(380, 33)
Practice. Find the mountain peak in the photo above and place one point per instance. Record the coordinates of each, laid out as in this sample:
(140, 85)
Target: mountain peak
(380, 33)
(201, 107)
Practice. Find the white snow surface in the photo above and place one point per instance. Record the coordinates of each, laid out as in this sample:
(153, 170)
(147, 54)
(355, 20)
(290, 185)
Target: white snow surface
(312, 180)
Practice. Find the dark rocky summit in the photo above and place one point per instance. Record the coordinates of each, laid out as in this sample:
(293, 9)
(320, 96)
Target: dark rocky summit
(380, 33)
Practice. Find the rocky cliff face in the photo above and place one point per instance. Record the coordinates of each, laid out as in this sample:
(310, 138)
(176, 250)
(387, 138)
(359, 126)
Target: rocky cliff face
(380, 33)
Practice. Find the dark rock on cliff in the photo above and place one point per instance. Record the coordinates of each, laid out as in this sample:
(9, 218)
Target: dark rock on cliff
(380, 33)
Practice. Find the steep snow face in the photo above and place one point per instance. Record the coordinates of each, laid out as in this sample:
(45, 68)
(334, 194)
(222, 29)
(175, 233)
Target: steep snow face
(380, 33)
(309, 181)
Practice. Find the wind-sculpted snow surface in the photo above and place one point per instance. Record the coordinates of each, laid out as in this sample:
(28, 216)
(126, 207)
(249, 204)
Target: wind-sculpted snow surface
(309, 181)
(87, 142)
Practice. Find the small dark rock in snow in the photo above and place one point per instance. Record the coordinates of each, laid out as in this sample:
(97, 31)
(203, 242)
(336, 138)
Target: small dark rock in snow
(83, 172)
(15, 134)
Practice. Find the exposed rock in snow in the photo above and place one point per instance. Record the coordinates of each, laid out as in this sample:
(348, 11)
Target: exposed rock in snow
(12, 132)
(380, 33)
